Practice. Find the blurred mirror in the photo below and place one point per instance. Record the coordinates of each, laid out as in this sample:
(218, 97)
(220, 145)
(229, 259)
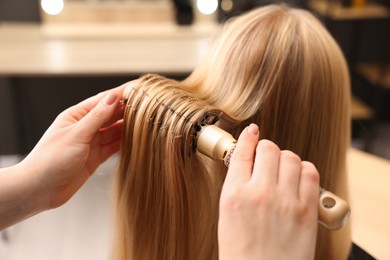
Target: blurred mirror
(183, 12)
(106, 11)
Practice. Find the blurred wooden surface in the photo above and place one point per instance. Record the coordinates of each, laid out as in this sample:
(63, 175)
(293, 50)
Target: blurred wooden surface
(369, 186)
(31, 49)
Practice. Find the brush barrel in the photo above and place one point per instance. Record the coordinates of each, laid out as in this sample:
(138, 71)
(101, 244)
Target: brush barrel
(214, 142)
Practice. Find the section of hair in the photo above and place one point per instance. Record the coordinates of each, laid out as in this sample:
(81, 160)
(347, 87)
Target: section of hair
(165, 198)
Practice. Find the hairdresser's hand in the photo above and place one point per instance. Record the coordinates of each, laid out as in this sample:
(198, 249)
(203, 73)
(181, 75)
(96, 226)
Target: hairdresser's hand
(269, 203)
(78, 141)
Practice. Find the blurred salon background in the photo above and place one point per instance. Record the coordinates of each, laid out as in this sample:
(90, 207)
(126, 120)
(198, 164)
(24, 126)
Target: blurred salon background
(55, 53)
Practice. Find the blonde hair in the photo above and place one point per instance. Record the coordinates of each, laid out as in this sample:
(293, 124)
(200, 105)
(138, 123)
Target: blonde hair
(274, 66)
(163, 189)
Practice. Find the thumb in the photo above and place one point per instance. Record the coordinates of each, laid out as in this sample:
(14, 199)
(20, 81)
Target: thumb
(241, 163)
(102, 113)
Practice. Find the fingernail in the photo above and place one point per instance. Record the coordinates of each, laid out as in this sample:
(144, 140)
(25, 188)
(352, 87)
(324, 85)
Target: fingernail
(253, 129)
(110, 99)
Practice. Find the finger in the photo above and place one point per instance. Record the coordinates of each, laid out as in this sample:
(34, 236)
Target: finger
(102, 113)
(118, 115)
(309, 186)
(128, 88)
(265, 170)
(111, 133)
(241, 163)
(109, 149)
(289, 173)
(88, 104)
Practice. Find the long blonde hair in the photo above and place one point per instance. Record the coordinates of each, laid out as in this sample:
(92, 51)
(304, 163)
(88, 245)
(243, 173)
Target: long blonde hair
(280, 68)
(274, 66)
(165, 195)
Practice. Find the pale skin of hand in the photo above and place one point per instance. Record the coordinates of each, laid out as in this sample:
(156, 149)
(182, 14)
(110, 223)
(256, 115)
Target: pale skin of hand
(77, 142)
(269, 203)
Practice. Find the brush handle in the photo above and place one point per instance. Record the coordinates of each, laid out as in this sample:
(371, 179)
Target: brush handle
(333, 212)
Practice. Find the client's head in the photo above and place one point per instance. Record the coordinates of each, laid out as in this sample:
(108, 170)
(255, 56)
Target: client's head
(275, 66)
(280, 68)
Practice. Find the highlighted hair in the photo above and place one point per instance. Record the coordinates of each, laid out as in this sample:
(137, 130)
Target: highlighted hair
(275, 66)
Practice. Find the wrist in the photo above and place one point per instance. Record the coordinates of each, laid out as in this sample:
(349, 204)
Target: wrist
(36, 197)
(21, 194)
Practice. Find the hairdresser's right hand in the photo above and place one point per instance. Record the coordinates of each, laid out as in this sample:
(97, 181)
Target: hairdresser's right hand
(269, 203)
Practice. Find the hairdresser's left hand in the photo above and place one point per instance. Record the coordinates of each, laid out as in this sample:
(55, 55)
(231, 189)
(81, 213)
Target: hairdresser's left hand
(77, 142)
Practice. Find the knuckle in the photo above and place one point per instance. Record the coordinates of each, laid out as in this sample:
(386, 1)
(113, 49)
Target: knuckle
(310, 171)
(304, 214)
(232, 200)
(241, 156)
(267, 146)
(308, 166)
(290, 156)
(286, 207)
(260, 198)
(299, 212)
(239, 199)
(63, 114)
(101, 94)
